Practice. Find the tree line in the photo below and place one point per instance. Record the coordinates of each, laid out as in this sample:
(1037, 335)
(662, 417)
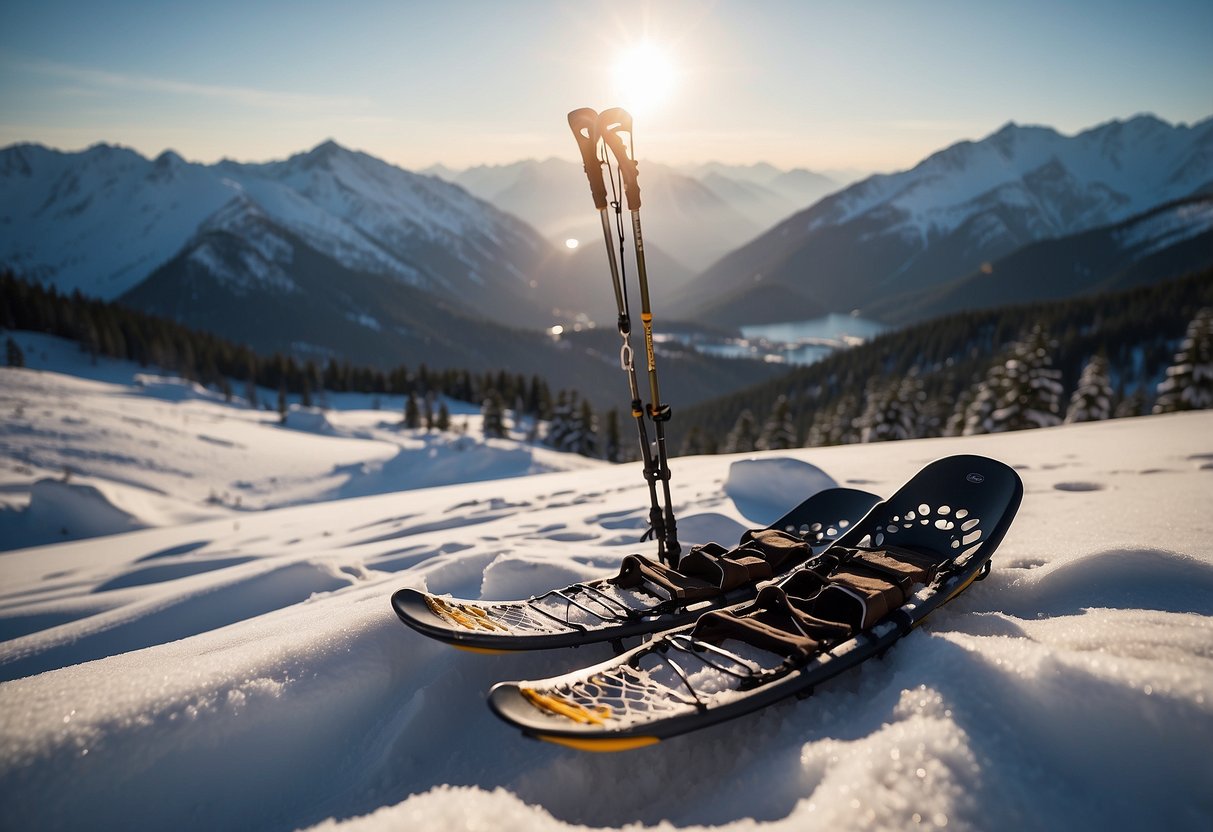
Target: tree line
(1120, 354)
(112, 330)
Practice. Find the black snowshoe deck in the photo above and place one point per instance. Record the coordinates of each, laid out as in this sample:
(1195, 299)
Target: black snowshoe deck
(645, 596)
(905, 559)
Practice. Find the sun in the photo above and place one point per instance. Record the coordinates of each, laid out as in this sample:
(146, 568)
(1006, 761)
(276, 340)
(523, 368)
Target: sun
(645, 76)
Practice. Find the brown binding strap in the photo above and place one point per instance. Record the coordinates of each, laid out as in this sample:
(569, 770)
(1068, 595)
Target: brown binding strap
(809, 611)
(711, 570)
(771, 622)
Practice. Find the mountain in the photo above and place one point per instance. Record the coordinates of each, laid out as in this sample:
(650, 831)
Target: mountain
(964, 207)
(103, 220)
(691, 220)
(1166, 242)
(764, 192)
(330, 253)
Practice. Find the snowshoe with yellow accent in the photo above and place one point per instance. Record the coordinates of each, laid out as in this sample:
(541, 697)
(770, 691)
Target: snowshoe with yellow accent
(907, 557)
(646, 596)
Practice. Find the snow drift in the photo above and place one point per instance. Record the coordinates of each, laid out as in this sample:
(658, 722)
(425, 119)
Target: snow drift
(246, 671)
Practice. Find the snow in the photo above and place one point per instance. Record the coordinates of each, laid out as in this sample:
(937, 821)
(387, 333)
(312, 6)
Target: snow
(244, 670)
(1099, 176)
(366, 214)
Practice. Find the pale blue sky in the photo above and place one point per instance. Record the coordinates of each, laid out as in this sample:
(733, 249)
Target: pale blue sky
(870, 85)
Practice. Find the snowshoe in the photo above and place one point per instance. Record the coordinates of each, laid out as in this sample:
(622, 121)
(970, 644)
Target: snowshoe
(646, 596)
(907, 557)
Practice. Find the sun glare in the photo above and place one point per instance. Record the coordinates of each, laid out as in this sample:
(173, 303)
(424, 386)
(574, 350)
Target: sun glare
(644, 78)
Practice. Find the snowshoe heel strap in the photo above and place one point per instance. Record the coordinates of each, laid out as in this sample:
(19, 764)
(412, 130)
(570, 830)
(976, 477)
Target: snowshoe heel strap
(638, 572)
(771, 623)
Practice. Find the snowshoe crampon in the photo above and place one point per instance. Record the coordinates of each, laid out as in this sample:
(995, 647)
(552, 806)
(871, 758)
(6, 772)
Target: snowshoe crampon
(910, 555)
(646, 596)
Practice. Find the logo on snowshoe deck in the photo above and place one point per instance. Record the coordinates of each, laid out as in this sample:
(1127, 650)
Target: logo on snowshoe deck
(976, 478)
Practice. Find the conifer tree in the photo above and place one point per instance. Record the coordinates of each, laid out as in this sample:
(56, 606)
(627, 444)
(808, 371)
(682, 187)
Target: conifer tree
(443, 420)
(1131, 405)
(1091, 400)
(560, 423)
(778, 432)
(892, 411)
(584, 436)
(1031, 389)
(412, 412)
(13, 354)
(743, 435)
(429, 411)
(611, 443)
(282, 408)
(835, 425)
(1189, 381)
(492, 416)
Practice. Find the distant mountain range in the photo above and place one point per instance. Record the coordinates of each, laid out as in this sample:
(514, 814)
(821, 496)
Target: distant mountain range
(691, 216)
(878, 245)
(334, 252)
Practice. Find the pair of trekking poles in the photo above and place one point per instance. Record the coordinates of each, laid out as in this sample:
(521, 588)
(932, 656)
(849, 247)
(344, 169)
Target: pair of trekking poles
(598, 138)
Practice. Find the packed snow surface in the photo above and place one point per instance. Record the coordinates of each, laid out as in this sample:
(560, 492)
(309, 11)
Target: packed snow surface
(246, 671)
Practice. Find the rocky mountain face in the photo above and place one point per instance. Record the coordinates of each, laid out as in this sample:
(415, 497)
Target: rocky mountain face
(884, 241)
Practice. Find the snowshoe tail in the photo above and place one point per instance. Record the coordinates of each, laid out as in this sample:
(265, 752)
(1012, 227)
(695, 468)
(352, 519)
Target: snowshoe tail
(604, 610)
(910, 555)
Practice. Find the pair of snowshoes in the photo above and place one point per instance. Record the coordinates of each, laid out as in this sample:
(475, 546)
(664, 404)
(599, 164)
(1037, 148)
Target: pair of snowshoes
(834, 582)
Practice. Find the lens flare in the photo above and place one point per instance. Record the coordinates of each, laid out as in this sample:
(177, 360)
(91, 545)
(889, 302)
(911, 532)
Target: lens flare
(645, 77)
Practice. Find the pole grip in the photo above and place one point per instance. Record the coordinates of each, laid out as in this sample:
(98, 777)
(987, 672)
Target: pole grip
(584, 124)
(611, 123)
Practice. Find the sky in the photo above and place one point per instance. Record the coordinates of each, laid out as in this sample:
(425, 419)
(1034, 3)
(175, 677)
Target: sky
(873, 86)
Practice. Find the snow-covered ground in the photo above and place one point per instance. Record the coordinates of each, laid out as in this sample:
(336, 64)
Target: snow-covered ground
(246, 671)
(88, 449)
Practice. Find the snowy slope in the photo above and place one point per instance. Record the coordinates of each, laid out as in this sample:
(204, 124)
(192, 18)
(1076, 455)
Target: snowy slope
(247, 672)
(88, 450)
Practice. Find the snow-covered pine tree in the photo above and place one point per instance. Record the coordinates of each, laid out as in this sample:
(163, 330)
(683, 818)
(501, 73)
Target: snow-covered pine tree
(742, 437)
(582, 436)
(1032, 387)
(984, 398)
(492, 416)
(1131, 405)
(835, 425)
(1189, 381)
(892, 411)
(1091, 400)
(778, 432)
(412, 412)
(560, 423)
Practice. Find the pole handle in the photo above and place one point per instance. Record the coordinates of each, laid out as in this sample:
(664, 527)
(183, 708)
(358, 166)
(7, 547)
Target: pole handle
(584, 124)
(611, 123)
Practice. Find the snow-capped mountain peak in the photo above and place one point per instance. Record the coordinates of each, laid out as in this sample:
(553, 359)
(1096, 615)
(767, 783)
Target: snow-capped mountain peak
(106, 218)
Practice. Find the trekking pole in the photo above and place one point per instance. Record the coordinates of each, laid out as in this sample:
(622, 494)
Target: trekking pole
(611, 123)
(584, 124)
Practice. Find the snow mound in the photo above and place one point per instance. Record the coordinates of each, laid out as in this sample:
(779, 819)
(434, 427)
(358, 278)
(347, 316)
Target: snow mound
(765, 488)
(76, 509)
(308, 419)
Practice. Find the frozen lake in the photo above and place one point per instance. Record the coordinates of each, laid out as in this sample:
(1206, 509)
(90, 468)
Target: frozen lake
(793, 342)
